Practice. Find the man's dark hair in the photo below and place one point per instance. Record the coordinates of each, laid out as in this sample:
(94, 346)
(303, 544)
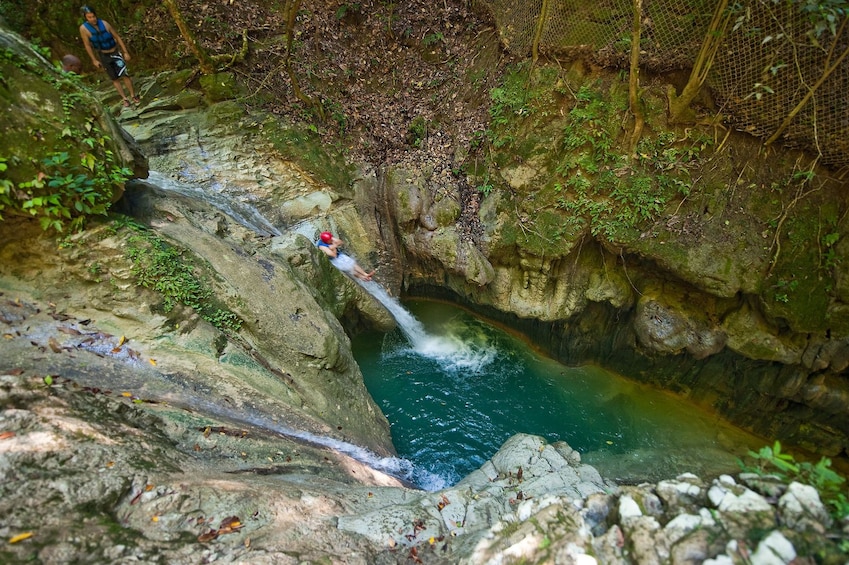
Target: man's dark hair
(87, 9)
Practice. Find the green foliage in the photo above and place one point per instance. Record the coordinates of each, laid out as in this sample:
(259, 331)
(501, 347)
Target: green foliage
(304, 147)
(773, 461)
(6, 187)
(41, 50)
(510, 101)
(594, 180)
(417, 132)
(345, 9)
(823, 14)
(830, 256)
(166, 269)
(64, 191)
(485, 187)
(432, 39)
(601, 186)
(67, 173)
(784, 289)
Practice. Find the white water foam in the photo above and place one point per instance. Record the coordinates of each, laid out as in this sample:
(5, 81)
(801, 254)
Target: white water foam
(450, 351)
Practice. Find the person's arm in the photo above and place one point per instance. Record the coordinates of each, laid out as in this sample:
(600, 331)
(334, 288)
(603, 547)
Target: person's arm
(329, 250)
(118, 40)
(86, 37)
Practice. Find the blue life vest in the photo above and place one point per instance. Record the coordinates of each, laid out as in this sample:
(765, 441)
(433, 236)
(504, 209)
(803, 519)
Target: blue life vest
(338, 251)
(100, 39)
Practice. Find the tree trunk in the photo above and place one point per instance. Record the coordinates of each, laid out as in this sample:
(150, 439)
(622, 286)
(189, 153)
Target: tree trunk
(206, 66)
(292, 7)
(679, 106)
(543, 15)
(634, 77)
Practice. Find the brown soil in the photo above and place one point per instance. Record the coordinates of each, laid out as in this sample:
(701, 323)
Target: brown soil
(400, 82)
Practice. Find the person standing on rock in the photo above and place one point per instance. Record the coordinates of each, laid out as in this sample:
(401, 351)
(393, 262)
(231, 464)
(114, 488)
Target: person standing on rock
(102, 43)
(330, 246)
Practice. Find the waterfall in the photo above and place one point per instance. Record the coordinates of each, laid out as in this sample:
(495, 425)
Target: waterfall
(241, 212)
(451, 351)
(407, 323)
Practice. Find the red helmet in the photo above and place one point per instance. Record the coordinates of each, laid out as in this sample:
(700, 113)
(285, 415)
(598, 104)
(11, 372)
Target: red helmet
(326, 236)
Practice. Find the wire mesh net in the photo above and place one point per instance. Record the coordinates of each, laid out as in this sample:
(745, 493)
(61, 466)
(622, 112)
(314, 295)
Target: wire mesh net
(775, 70)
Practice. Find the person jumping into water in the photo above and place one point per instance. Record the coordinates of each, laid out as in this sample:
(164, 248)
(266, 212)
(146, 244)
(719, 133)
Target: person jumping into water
(330, 245)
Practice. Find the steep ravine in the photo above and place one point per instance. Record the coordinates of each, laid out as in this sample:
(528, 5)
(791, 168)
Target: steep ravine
(718, 336)
(102, 462)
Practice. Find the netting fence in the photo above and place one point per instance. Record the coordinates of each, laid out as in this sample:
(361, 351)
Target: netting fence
(780, 71)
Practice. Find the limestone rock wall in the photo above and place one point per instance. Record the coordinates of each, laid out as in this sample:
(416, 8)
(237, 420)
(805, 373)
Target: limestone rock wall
(691, 318)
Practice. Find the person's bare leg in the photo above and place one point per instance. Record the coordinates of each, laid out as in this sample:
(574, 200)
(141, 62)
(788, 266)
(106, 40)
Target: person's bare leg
(361, 274)
(128, 84)
(117, 84)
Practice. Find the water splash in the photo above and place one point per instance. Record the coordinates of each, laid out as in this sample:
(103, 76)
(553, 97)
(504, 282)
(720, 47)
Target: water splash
(453, 352)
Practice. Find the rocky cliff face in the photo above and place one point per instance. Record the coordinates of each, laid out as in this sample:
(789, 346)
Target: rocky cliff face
(286, 354)
(702, 302)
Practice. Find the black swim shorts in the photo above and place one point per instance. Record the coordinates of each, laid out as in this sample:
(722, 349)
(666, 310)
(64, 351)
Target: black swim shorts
(114, 64)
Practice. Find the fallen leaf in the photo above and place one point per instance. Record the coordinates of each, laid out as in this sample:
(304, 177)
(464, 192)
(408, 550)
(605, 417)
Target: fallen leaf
(54, 345)
(231, 522)
(20, 537)
(153, 362)
(121, 341)
(69, 331)
(208, 536)
(6, 435)
(127, 394)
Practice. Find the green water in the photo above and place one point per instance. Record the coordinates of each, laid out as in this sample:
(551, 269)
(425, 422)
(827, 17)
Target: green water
(453, 402)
